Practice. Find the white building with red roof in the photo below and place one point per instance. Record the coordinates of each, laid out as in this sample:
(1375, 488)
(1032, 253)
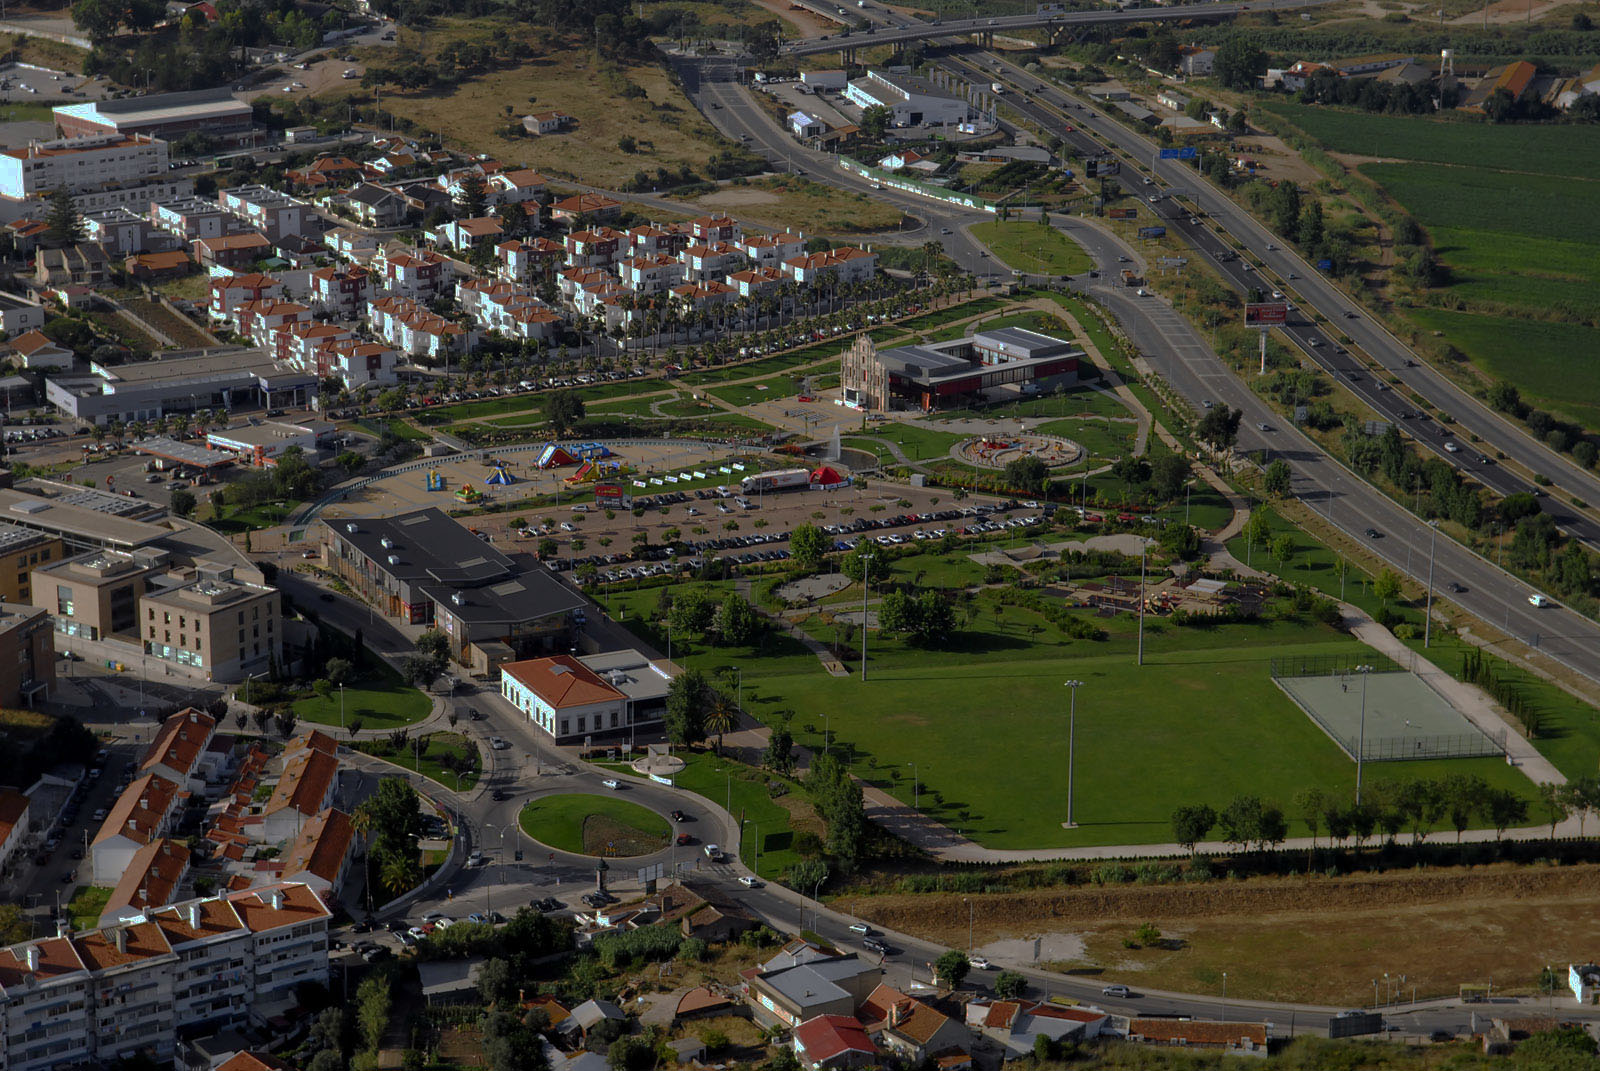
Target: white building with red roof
(230, 291)
(711, 229)
(845, 265)
(756, 282)
(321, 855)
(711, 260)
(415, 330)
(181, 750)
(834, 1041)
(146, 810)
(522, 260)
(415, 274)
(14, 824)
(651, 273)
(307, 786)
(341, 291)
(152, 880)
(38, 352)
(771, 250)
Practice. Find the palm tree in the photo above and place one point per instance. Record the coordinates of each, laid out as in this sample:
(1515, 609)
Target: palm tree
(721, 715)
(400, 873)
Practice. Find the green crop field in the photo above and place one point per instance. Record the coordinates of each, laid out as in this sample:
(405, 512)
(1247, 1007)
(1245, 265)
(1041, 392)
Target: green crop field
(985, 719)
(1569, 150)
(1554, 364)
(1502, 202)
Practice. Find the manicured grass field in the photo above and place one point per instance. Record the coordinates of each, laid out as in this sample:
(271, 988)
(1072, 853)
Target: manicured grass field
(762, 390)
(86, 905)
(1568, 150)
(1556, 365)
(434, 747)
(985, 720)
(381, 700)
(743, 790)
(558, 821)
(1032, 247)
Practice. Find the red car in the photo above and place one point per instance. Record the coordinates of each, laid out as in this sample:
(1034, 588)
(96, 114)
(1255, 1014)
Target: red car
(685, 838)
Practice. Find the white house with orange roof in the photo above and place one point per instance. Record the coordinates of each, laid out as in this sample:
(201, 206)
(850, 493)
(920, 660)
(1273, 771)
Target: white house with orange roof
(711, 260)
(586, 206)
(771, 250)
(181, 751)
(542, 123)
(651, 273)
(415, 330)
(574, 281)
(302, 343)
(229, 291)
(599, 247)
(757, 282)
(648, 238)
(351, 244)
(467, 234)
(260, 320)
(39, 352)
(515, 187)
(522, 260)
(705, 295)
(341, 291)
(709, 229)
(845, 265)
(569, 698)
(146, 810)
(152, 880)
(914, 1031)
(416, 274)
(308, 785)
(321, 855)
(358, 363)
(511, 310)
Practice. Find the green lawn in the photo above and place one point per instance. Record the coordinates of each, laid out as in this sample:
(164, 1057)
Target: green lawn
(399, 428)
(557, 821)
(380, 700)
(86, 904)
(762, 390)
(984, 719)
(1034, 248)
(235, 520)
(434, 747)
(743, 790)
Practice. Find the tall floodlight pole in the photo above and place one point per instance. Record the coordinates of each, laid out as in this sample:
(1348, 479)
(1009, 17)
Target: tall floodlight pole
(1427, 617)
(866, 583)
(1361, 746)
(1072, 746)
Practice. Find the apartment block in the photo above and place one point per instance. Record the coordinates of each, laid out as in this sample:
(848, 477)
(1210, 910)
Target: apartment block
(80, 164)
(94, 595)
(219, 627)
(22, 550)
(123, 990)
(274, 214)
(27, 655)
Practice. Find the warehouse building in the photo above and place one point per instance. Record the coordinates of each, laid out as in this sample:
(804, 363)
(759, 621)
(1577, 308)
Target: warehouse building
(913, 101)
(989, 365)
(147, 390)
(213, 112)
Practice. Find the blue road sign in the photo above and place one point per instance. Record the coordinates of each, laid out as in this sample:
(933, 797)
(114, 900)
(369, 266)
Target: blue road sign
(1186, 153)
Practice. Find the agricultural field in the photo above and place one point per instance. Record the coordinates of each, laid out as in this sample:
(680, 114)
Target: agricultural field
(1509, 211)
(1032, 247)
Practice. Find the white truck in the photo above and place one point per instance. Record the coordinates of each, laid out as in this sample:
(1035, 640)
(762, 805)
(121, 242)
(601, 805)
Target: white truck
(996, 87)
(778, 480)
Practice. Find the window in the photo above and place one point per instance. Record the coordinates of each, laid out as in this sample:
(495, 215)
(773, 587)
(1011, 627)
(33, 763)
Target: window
(63, 600)
(563, 726)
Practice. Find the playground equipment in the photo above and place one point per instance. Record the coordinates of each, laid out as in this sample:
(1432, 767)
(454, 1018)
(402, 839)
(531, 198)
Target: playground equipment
(593, 469)
(499, 475)
(435, 480)
(468, 493)
(553, 456)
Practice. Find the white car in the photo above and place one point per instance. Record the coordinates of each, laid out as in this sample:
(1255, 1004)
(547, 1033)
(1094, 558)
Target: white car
(498, 743)
(1539, 600)
(1451, 447)
(978, 963)
(750, 883)
(612, 783)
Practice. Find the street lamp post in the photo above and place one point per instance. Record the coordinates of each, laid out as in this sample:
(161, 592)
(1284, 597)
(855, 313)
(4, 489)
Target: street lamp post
(341, 707)
(1072, 745)
(1427, 616)
(1224, 996)
(1361, 745)
(916, 787)
(1143, 550)
(866, 583)
(756, 840)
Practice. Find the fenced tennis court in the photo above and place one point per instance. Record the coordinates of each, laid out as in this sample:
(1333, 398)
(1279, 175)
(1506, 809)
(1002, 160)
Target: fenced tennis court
(1404, 718)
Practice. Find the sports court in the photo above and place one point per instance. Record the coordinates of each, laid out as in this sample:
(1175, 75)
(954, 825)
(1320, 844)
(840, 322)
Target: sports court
(1405, 718)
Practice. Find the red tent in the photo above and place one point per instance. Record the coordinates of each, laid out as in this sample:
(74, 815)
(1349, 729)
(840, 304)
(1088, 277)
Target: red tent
(826, 476)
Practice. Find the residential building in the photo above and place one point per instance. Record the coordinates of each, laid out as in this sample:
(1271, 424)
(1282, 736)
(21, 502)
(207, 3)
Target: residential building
(756, 282)
(703, 911)
(96, 594)
(72, 268)
(152, 880)
(803, 124)
(651, 273)
(771, 250)
(356, 363)
(418, 275)
(711, 260)
(906, 1027)
(39, 352)
(600, 247)
(523, 260)
(96, 997)
(1239, 1038)
(28, 651)
(14, 824)
(213, 112)
(80, 164)
(502, 307)
(709, 230)
(594, 207)
(320, 856)
(212, 626)
(232, 250)
(573, 698)
(912, 101)
(23, 551)
(375, 205)
(228, 292)
(181, 751)
(307, 787)
(787, 996)
(1016, 1025)
(422, 567)
(705, 295)
(273, 213)
(540, 123)
(340, 291)
(350, 244)
(834, 1041)
(648, 238)
(467, 234)
(149, 267)
(517, 186)
(415, 330)
(328, 171)
(846, 265)
(1005, 360)
(192, 218)
(146, 811)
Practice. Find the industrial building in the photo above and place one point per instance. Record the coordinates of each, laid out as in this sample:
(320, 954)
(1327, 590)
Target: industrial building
(146, 390)
(423, 568)
(213, 112)
(990, 364)
(913, 101)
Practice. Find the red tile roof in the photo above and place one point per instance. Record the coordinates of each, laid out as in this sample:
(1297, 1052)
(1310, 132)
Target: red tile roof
(57, 957)
(180, 742)
(305, 783)
(1196, 1032)
(561, 681)
(152, 877)
(253, 1061)
(13, 805)
(827, 1037)
(117, 946)
(296, 904)
(322, 846)
(140, 810)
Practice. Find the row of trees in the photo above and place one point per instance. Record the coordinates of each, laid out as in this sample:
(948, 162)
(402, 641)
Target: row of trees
(1389, 806)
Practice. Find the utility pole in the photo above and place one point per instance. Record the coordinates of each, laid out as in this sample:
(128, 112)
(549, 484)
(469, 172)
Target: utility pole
(1072, 746)
(1427, 616)
(1361, 746)
(1143, 551)
(866, 583)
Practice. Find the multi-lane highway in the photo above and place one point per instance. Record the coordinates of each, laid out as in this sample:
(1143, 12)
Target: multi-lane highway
(1353, 505)
(1114, 15)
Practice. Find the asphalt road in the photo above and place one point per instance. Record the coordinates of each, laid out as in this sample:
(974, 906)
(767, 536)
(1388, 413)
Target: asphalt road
(1348, 501)
(1310, 290)
(1001, 23)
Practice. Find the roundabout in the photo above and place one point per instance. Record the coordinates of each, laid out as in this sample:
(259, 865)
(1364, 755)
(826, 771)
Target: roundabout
(591, 825)
(997, 451)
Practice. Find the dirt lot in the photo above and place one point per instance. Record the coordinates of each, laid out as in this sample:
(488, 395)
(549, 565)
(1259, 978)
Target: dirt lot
(803, 206)
(1275, 161)
(1321, 940)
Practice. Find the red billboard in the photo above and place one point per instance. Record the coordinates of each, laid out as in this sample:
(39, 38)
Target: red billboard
(1266, 314)
(612, 496)
(1123, 213)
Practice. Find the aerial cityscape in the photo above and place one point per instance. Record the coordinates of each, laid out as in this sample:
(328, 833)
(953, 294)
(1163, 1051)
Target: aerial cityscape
(799, 534)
